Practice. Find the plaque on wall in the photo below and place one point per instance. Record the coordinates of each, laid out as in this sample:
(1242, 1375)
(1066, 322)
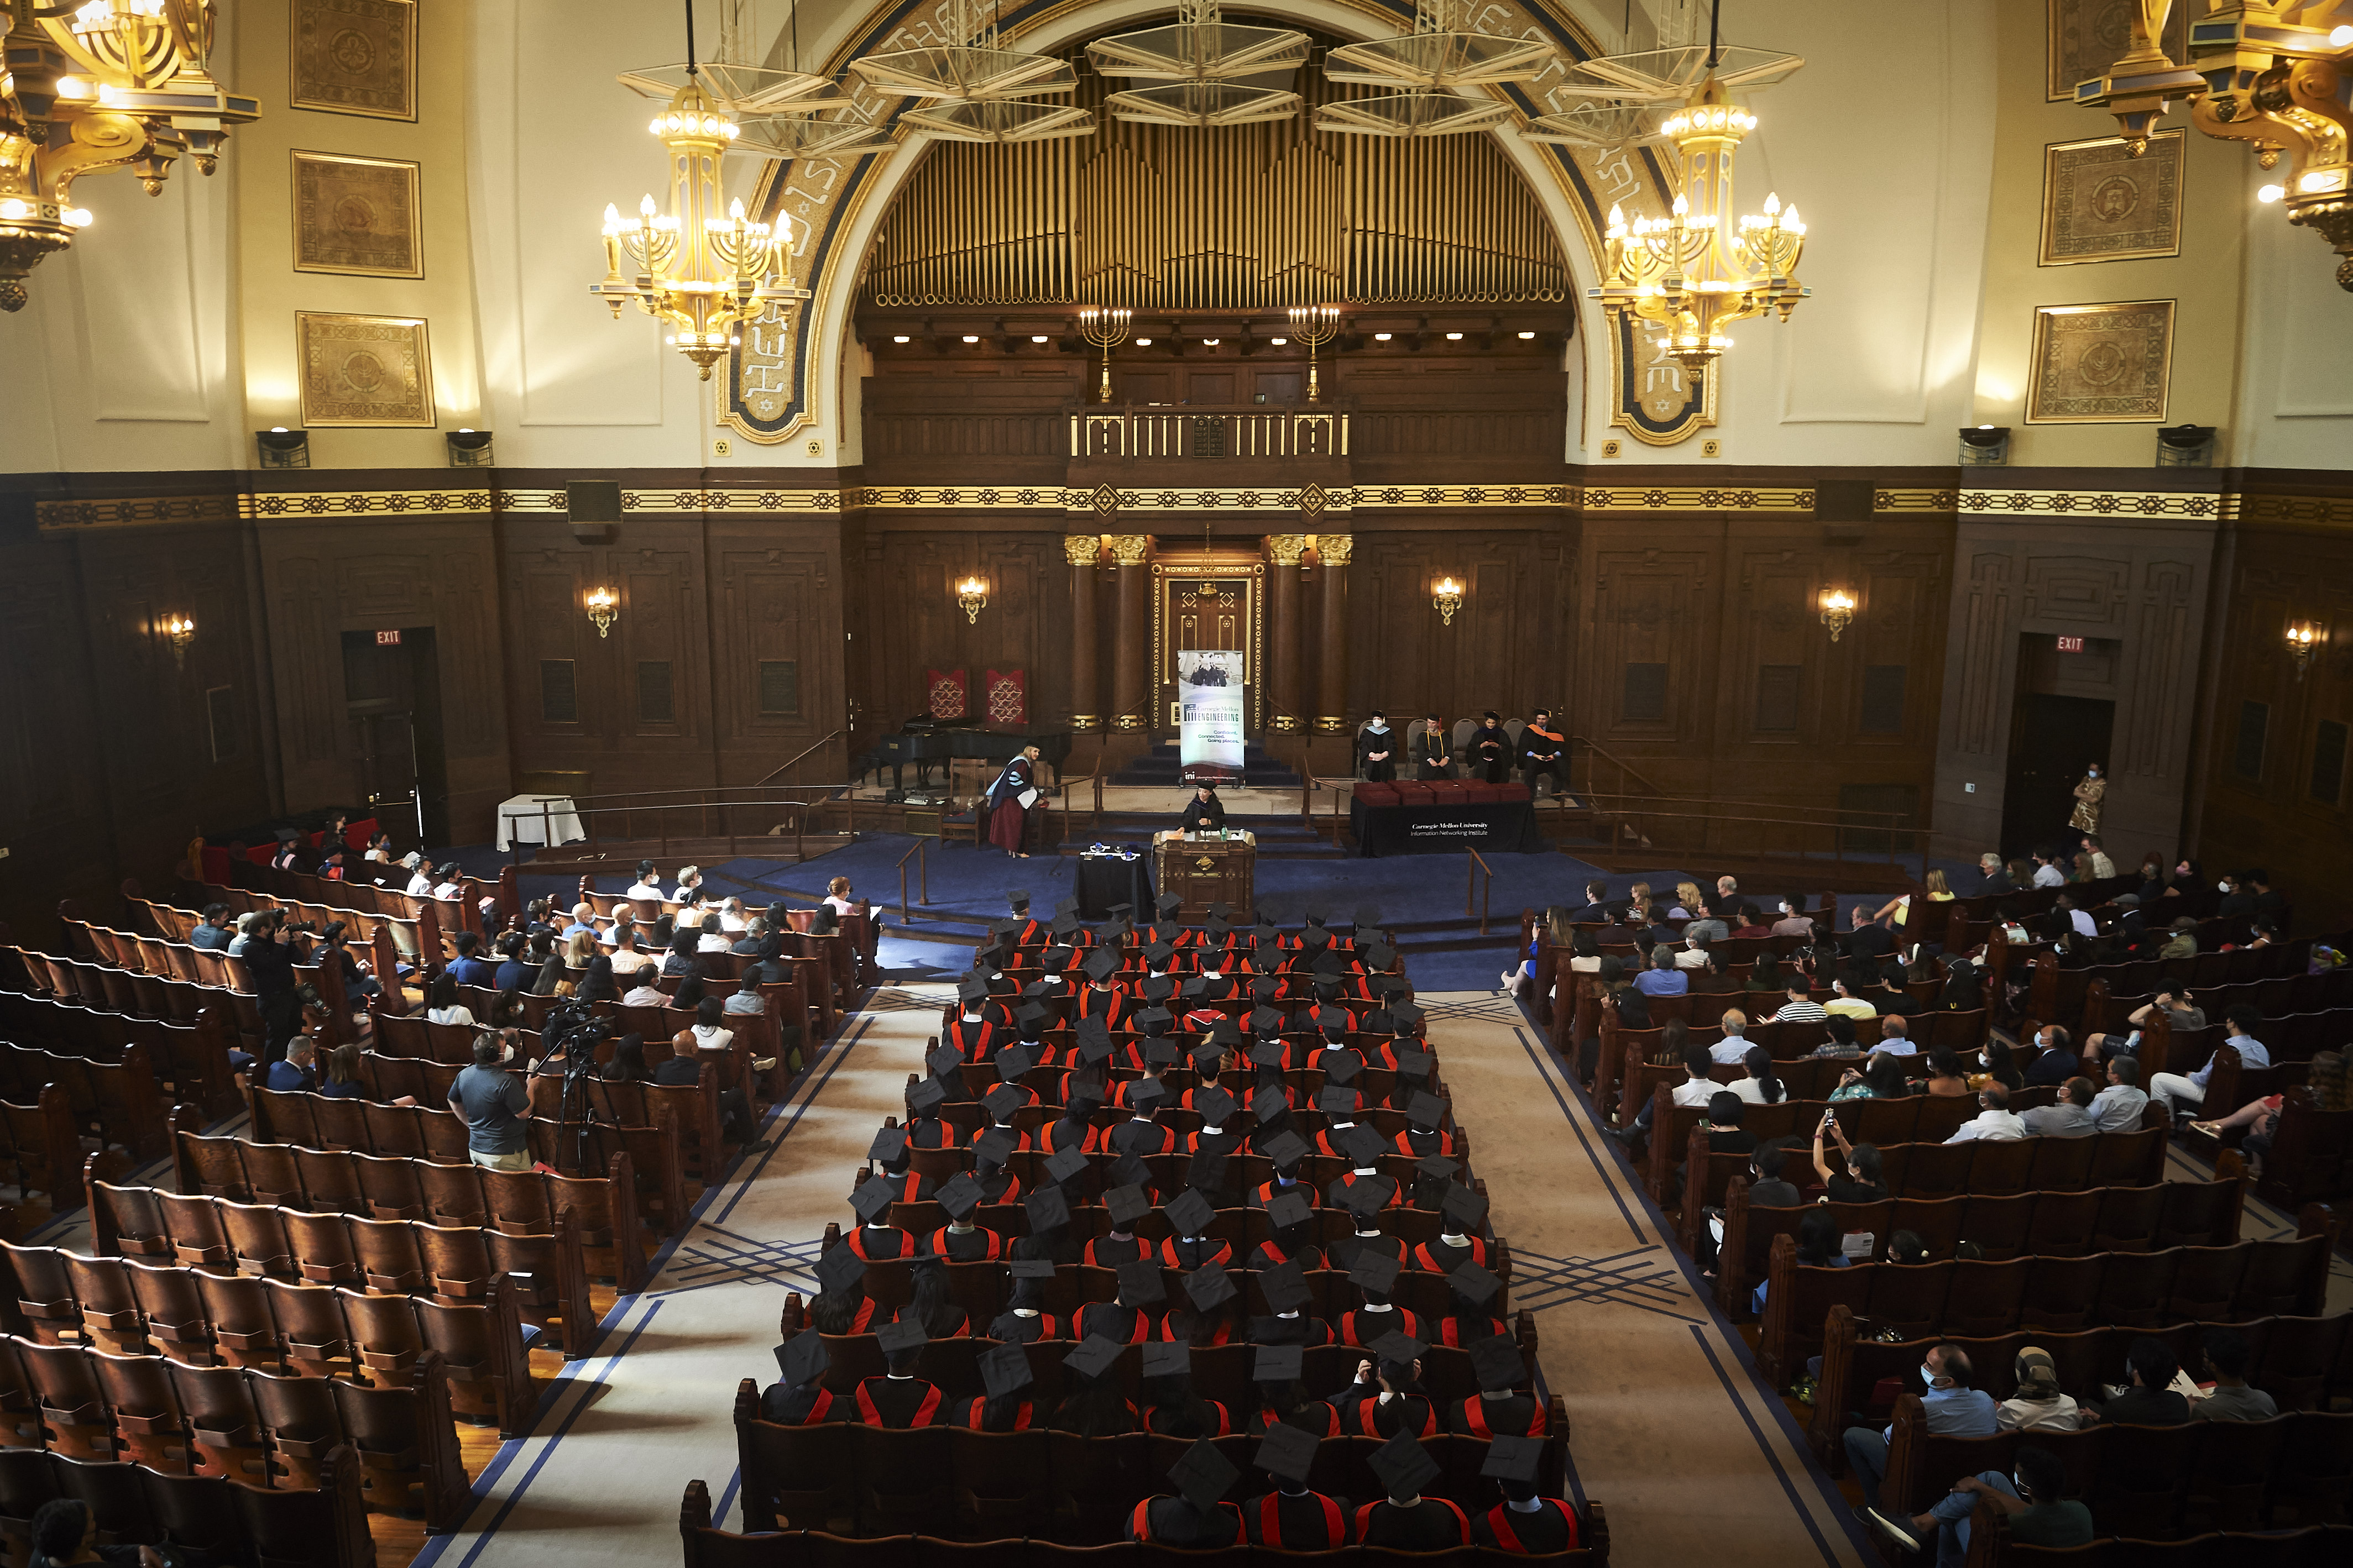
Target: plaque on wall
(363, 370)
(2101, 364)
(356, 215)
(355, 57)
(2100, 204)
(2087, 36)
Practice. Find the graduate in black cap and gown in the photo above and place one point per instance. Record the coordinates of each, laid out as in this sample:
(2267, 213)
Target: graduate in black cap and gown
(1406, 1519)
(1292, 1517)
(1524, 1522)
(1387, 1400)
(1005, 1407)
(1283, 1399)
(801, 1399)
(1025, 1319)
(898, 1399)
(1197, 1518)
(1499, 1409)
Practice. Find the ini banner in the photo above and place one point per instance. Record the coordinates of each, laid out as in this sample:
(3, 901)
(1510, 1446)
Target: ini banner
(1210, 712)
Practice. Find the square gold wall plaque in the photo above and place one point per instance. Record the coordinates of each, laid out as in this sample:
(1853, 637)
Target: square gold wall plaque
(355, 57)
(363, 370)
(2101, 364)
(2087, 36)
(356, 215)
(2100, 204)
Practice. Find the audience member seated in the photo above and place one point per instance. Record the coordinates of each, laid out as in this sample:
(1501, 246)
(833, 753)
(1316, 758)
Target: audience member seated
(2225, 1354)
(2148, 1397)
(1663, 978)
(2035, 1504)
(2173, 1089)
(2057, 1063)
(1994, 1122)
(1953, 1409)
(1406, 1520)
(2070, 1118)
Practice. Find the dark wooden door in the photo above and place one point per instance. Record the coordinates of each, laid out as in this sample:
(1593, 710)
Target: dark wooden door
(2052, 740)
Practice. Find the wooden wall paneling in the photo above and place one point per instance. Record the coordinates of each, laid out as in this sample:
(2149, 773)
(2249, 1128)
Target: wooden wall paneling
(58, 830)
(1020, 629)
(775, 599)
(1652, 605)
(1771, 625)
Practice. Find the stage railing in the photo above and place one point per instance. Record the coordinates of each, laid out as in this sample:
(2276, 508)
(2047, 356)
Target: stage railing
(1472, 887)
(923, 877)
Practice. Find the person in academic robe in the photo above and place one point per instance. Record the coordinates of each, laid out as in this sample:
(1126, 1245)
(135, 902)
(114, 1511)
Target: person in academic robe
(1433, 750)
(1491, 749)
(1005, 1407)
(1500, 1408)
(1543, 750)
(1009, 800)
(1292, 1517)
(1524, 1523)
(1376, 750)
(1196, 1517)
(1404, 1519)
(1205, 813)
(898, 1399)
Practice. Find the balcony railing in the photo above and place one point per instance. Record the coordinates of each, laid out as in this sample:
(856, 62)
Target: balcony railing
(1126, 433)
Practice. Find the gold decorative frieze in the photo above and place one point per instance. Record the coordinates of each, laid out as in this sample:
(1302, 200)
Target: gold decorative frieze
(1913, 501)
(360, 503)
(743, 501)
(2092, 503)
(53, 516)
(1690, 498)
(1384, 496)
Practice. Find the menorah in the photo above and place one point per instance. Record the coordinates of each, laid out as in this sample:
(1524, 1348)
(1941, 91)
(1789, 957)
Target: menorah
(1104, 328)
(1314, 325)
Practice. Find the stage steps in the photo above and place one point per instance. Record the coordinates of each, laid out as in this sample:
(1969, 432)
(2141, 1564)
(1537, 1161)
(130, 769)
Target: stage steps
(1164, 765)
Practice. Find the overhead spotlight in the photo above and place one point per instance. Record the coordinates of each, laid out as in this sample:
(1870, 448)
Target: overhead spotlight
(1038, 337)
(1380, 337)
(971, 338)
(1277, 342)
(1526, 335)
(900, 338)
(1454, 337)
(1211, 342)
(1144, 342)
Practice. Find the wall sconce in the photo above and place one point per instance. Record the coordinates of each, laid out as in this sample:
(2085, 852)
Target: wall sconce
(972, 596)
(1446, 597)
(2304, 640)
(603, 606)
(2185, 446)
(1984, 446)
(182, 631)
(469, 449)
(282, 448)
(1837, 610)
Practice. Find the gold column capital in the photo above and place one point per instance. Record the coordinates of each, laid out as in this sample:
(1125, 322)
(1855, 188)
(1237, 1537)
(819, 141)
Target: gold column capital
(1334, 549)
(1129, 549)
(1285, 549)
(1082, 549)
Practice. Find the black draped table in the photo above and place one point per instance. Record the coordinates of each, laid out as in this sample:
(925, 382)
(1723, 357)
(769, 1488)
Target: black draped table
(1506, 827)
(1106, 879)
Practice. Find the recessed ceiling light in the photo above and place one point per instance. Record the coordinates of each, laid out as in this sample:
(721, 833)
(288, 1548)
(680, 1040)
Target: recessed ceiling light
(1144, 342)
(1454, 337)
(1212, 341)
(1527, 334)
(970, 338)
(1380, 337)
(1037, 337)
(898, 339)
(1277, 342)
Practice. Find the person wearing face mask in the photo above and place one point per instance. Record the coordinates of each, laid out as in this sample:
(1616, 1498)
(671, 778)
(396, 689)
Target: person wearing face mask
(2057, 1063)
(1376, 749)
(1793, 920)
(1952, 1407)
(493, 1103)
(2238, 900)
(2090, 790)
(2033, 1498)
(2102, 866)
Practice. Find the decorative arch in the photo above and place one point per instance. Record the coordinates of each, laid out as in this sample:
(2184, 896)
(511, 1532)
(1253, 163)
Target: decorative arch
(785, 379)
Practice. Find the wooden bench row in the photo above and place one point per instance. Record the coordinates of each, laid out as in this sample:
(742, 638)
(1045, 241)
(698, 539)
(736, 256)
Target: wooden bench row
(188, 1055)
(132, 1505)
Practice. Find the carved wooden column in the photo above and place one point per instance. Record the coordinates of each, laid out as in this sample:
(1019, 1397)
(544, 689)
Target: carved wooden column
(1282, 694)
(1331, 550)
(1132, 659)
(1082, 551)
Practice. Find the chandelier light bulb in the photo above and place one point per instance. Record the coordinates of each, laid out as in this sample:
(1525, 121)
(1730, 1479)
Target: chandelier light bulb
(12, 208)
(2270, 192)
(1212, 343)
(645, 206)
(72, 87)
(2340, 37)
(79, 217)
(1454, 337)
(971, 338)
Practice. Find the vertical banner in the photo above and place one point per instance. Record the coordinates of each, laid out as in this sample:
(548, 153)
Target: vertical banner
(1210, 709)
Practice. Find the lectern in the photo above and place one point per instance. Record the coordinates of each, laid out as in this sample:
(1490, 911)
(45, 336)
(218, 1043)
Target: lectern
(1206, 871)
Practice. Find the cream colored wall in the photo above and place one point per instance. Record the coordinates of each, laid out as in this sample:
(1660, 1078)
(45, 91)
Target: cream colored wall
(270, 291)
(2296, 378)
(2205, 280)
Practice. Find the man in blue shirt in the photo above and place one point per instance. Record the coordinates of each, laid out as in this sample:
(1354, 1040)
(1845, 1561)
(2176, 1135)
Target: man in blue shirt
(1954, 1409)
(583, 919)
(1663, 978)
(293, 1074)
(214, 933)
(2238, 1023)
(469, 968)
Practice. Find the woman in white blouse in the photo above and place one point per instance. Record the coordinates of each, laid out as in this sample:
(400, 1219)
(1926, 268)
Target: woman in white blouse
(731, 915)
(836, 897)
(441, 1003)
(714, 938)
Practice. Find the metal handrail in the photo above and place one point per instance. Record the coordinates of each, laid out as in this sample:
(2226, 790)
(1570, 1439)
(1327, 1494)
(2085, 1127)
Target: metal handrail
(1611, 758)
(804, 752)
(1839, 831)
(1471, 884)
(797, 807)
(1894, 818)
(923, 877)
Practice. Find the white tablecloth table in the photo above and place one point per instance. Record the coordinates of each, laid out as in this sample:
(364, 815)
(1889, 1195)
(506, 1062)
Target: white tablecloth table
(520, 820)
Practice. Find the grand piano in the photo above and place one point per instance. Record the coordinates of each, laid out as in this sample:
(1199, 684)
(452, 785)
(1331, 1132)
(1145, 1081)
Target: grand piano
(928, 742)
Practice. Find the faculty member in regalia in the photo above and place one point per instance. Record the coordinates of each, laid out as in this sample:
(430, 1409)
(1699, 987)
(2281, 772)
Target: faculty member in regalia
(1009, 800)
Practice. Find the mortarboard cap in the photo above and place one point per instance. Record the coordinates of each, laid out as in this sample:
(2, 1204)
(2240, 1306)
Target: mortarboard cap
(1286, 1150)
(1464, 1206)
(960, 1195)
(993, 1147)
(1214, 1104)
(887, 1145)
(1413, 1065)
(1014, 1060)
(1402, 1466)
(1426, 1111)
(1340, 1066)
(1202, 1474)
(1378, 956)
(1158, 954)
(1032, 1017)
(1268, 1052)
(1189, 1213)
(1196, 986)
(1210, 1286)
(1155, 1021)
(1313, 914)
(1333, 1100)
(1373, 1271)
(1206, 1172)
(802, 1359)
(1128, 1170)
(1126, 1205)
(899, 1337)
(1437, 1166)
(1102, 963)
(1005, 1370)
(927, 1096)
(1286, 1452)
(1094, 1045)
(1367, 914)
(1030, 1268)
(1139, 1283)
(1400, 1348)
(1018, 900)
(839, 1270)
(1498, 1360)
(1285, 1287)
(1474, 1284)
(1093, 1356)
(1206, 1054)
(1367, 1197)
(871, 1200)
(1513, 1459)
(1277, 1364)
(1167, 903)
(1267, 985)
(1364, 1146)
(943, 1060)
(1284, 1210)
(1160, 1052)
(1166, 1360)
(1066, 903)
(1003, 1100)
(1048, 1210)
(1132, 1139)
(1227, 1032)
(1144, 1094)
(1064, 1164)
(1222, 912)
(972, 988)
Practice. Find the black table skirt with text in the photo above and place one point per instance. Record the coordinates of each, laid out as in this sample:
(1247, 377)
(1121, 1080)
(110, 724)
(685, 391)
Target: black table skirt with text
(1507, 826)
(1106, 879)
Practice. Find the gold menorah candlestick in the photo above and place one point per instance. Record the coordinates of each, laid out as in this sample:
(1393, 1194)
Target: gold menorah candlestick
(1104, 328)
(1314, 325)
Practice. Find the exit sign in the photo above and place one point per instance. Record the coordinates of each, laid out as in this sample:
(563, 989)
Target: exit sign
(392, 639)
(2066, 645)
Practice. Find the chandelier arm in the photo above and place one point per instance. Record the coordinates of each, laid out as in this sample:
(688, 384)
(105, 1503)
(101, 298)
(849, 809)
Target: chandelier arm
(690, 66)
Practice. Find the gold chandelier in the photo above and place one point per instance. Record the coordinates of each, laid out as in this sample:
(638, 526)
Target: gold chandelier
(700, 274)
(104, 85)
(1694, 272)
(2260, 74)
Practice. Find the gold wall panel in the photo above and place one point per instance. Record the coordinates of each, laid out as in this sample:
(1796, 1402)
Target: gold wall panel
(1160, 218)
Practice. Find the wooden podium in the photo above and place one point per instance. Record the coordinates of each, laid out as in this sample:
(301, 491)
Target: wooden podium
(1204, 871)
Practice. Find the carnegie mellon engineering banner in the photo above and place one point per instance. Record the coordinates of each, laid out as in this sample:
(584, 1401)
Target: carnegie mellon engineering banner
(1210, 709)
